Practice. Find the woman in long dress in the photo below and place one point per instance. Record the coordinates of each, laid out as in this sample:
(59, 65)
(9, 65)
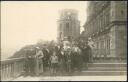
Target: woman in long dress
(39, 63)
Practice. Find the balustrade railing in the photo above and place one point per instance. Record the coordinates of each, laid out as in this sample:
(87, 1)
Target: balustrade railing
(11, 68)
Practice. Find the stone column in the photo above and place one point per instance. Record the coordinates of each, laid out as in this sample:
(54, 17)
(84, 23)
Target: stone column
(112, 42)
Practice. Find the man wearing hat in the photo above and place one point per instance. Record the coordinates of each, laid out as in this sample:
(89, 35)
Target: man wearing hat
(30, 61)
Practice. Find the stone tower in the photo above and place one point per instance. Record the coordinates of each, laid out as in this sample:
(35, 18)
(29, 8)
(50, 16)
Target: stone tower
(68, 25)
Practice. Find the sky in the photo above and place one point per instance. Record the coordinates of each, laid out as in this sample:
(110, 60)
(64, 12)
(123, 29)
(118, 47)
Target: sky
(25, 22)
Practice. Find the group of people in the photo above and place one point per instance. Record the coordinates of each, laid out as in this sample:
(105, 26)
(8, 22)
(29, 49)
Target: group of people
(65, 58)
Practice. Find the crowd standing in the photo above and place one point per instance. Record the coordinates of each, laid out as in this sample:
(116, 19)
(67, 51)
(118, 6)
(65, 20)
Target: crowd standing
(60, 58)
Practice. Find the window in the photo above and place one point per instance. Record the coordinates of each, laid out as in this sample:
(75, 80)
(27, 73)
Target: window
(102, 44)
(94, 27)
(90, 28)
(67, 25)
(67, 28)
(97, 45)
(105, 20)
(98, 24)
(108, 16)
(102, 22)
(108, 45)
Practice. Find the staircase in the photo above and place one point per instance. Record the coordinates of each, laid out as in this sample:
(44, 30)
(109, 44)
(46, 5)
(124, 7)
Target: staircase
(104, 69)
(98, 69)
(111, 71)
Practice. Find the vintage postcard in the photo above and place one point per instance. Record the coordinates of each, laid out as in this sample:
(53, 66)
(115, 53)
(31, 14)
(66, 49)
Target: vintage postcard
(63, 41)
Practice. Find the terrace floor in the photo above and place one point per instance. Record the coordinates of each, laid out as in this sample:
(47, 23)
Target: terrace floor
(72, 78)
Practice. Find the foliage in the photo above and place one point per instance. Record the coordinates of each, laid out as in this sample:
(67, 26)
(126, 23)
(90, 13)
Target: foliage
(40, 43)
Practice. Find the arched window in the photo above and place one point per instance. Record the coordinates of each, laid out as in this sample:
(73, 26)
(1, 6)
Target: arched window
(67, 25)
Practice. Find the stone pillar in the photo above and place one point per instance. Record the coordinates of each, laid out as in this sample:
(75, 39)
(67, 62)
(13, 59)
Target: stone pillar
(112, 42)
(121, 41)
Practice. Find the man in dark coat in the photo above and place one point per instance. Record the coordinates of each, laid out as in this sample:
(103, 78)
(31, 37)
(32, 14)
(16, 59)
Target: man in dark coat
(89, 52)
(30, 63)
(46, 59)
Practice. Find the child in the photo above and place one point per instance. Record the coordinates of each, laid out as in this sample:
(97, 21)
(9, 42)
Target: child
(54, 62)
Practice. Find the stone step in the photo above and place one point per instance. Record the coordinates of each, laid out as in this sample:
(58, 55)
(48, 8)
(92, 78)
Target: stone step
(107, 65)
(90, 73)
(109, 61)
(87, 73)
(107, 69)
(100, 73)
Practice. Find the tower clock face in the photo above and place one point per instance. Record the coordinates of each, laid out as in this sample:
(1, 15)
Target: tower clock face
(69, 13)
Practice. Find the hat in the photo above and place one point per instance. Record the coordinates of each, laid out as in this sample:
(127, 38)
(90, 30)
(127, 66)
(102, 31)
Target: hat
(37, 48)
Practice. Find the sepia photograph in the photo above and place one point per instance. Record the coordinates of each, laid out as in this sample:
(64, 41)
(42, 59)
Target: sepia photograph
(63, 41)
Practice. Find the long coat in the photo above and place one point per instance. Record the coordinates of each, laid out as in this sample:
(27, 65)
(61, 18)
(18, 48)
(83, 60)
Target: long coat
(46, 58)
(84, 54)
(89, 53)
(30, 62)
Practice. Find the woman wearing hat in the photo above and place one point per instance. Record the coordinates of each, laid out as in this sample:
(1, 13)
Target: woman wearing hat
(39, 63)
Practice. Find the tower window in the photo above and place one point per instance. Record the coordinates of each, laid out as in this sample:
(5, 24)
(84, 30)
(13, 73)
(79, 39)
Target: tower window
(67, 25)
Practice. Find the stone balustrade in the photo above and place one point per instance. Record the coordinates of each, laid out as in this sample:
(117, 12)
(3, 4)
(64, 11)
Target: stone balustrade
(11, 68)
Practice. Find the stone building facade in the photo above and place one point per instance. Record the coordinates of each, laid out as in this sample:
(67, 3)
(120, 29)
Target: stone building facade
(107, 26)
(68, 25)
